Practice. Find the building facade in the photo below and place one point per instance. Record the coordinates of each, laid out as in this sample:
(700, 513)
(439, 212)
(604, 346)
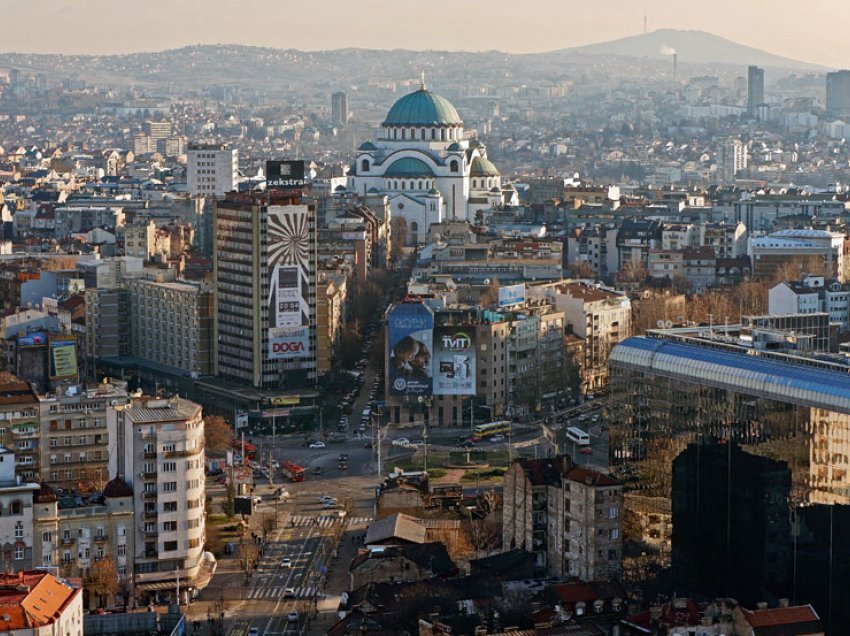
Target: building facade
(265, 277)
(568, 516)
(211, 169)
(74, 436)
(16, 516)
(171, 324)
(159, 451)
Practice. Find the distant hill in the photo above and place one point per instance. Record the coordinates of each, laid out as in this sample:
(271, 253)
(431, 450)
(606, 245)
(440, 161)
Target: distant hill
(691, 47)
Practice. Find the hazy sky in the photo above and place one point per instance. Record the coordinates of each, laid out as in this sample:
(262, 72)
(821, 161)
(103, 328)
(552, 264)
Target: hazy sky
(811, 31)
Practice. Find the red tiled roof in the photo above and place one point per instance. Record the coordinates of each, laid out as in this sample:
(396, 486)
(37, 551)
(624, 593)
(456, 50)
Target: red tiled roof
(582, 475)
(37, 606)
(785, 617)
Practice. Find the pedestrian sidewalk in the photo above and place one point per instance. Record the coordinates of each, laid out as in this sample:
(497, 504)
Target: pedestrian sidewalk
(338, 579)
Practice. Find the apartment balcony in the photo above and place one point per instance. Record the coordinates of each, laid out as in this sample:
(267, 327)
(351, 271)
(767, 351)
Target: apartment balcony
(149, 494)
(68, 540)
(151, 533)
(102, 538)
(150, 515)
(149, 474)
(149, 455)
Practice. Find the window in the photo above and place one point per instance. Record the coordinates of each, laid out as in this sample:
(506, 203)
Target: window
(19, 553)
(194, 543)
(19, 530)
(122, 550)
(169, 467)
(453, 166)
(614, 533)
(365, 165)
(48, 557)
(169, 448)
(613, 512)
(169, 486)
(170, 546)
(169, 506)
(169, 526)
(47, 537)
(66, 556)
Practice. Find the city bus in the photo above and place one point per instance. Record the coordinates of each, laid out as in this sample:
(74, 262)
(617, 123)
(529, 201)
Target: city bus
(578, 436)
(491, 428)
(292, 471)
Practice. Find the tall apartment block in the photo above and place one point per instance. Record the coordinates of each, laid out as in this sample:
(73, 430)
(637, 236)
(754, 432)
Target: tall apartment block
(159, 450)
(838, 92)
(212, 169)
(339, 108)
(755, 89)
(265, 277)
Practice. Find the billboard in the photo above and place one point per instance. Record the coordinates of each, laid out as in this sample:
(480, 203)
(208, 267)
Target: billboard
(288, 342)
(289, 244)
(454, 361)
(285, 175)
(63, 358)
(409, 344)
(512, 295)
(33, 339)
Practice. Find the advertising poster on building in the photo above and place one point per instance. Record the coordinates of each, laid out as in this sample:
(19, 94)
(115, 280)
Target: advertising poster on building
(410, 329)
(454, 361)
(63, 358)
(289, 342)
(511, 295)
(289, 287)
(285, 175)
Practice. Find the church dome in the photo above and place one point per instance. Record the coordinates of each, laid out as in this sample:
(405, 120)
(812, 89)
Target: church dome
(368, 146)
(482, 167)
(409, 167)
(455, 147)
(423, 108)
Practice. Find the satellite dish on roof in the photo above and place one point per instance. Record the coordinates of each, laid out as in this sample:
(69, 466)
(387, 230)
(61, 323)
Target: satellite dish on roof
(668, 324)
(660, 324)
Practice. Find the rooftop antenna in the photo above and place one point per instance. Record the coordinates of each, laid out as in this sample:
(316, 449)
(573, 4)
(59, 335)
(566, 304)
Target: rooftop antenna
(422, 80)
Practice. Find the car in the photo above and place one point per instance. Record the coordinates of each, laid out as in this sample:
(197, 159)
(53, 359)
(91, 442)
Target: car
(281, 494)
(497, 439)
(342, 466)
(324, 498)
(587, 450)
(317, 470)
(286, 563)
(367, 443)
(315, 445)
(289, 592)
(254, 631)
(275, 464)
(589, 396)
(343, 457)
(402, 442)
(332, 503)
(292, 617)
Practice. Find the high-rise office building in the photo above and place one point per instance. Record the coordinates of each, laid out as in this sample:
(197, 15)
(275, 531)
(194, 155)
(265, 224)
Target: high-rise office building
(838, 92)
(211, 169)
(265, 277)
(339, 108)
(731, 527)
(755, 89)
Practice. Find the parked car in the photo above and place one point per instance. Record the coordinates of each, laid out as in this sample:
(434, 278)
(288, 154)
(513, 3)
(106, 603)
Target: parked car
(292, 617)
(289, 592)
(317, 470)
(315, 445)
(342, 466)
(587, 450)
(286, 563)
(402, 442)
(324, 498)
(254, 631)
(497, 439)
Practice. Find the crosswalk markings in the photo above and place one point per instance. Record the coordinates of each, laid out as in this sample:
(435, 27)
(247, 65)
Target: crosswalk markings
(326, 521)
(264, 593)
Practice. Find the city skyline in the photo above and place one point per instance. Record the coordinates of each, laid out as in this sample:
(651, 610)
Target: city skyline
(67, 27)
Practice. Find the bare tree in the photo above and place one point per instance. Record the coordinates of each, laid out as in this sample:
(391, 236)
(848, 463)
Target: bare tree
(102, 583)
(582, 269)
(217, 433)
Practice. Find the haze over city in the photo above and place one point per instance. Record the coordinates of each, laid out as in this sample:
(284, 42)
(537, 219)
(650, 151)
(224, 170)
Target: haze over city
(536, 325)
(117, 26)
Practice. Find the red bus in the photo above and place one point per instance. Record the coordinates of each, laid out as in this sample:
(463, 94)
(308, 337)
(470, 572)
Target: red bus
(250, 449)
(292, 471)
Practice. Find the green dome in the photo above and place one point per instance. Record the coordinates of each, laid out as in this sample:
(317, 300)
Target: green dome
(423, 108)
(409, 167)
(367, 146)
(482, 167)
(455, 147)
